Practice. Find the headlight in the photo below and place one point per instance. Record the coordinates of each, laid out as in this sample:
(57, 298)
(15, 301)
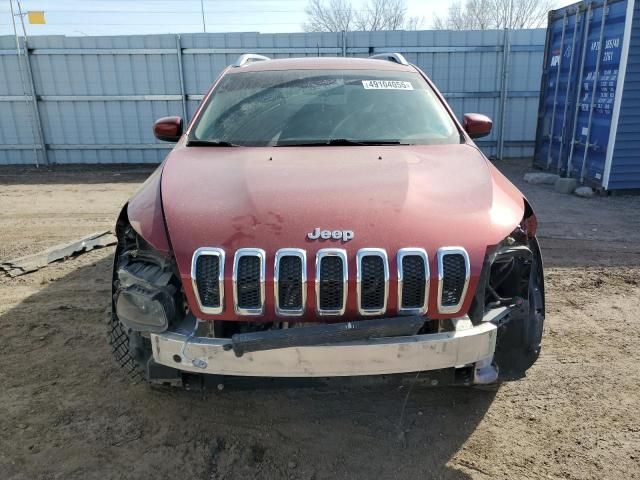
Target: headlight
(146, 287)
(145, 310)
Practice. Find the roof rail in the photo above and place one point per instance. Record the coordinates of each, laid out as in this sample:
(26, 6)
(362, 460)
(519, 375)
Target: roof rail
(391, 57)
(249, 58)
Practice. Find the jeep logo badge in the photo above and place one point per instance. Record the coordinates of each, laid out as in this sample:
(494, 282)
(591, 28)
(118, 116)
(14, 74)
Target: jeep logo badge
(344, 235)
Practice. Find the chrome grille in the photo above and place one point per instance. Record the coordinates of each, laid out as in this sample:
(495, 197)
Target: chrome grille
(207, 276)
(290, 281)
(331, 281)
(453, 278)
(413, 281)
(248, 281)
(373, 281)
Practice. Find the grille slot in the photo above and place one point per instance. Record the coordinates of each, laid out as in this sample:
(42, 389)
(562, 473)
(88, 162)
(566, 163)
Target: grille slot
(453, 265)
(413, 278)
(248, 280)
(207, 276)
(290, 284)
(454, 277)
(372, 294)
(208, 271)
(373, 281)
(331, 281)
(413, 286)
(290, 281)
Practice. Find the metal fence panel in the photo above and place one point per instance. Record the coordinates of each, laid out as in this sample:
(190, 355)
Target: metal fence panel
(97, 97)
(16, 131)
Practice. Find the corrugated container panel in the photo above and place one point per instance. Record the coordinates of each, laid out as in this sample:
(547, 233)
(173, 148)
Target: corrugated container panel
(120, 41)
(523, 85)
(102, 73)
(588, 46)
(564, 44)
(15, 123)
(10, 75)
(90, 74)
(520, 127)
(17, 157)
(16, 127)
(525, 67)
(624, 164)
(103, 122)
(192, 106)
(593, 121)
(111, 155)
(7, 42)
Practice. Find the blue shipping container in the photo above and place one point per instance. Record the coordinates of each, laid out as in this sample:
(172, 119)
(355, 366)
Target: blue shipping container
(589, 112)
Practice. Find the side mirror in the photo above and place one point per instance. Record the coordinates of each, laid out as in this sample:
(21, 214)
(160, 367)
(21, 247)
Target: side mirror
(168, 129)
(477, 125)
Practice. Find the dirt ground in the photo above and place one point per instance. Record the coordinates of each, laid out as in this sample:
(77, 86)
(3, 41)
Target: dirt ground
(67, 412)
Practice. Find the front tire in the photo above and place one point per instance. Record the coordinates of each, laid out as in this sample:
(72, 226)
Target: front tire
(120, 343)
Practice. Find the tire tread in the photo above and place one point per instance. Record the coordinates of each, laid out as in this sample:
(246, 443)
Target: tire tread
(119, 343)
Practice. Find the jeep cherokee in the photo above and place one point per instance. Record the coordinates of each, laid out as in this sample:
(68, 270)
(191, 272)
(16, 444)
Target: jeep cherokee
(324, 217)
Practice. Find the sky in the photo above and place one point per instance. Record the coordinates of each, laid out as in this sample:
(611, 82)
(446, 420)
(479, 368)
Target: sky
(127, 17)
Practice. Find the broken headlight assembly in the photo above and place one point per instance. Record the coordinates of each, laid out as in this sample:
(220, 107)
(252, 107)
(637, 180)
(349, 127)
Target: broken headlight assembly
(510, 267)
(509, 275)
(141, 304)
(512, 278)
(147, 293)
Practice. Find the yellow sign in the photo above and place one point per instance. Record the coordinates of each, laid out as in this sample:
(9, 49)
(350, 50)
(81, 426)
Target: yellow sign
(36, 17)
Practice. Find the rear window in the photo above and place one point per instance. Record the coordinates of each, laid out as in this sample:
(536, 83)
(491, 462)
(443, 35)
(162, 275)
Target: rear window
(297, 107)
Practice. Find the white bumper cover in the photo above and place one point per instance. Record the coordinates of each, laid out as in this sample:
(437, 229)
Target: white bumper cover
(466, 345)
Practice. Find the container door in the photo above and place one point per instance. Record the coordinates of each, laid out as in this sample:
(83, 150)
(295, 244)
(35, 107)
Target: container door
(597, 79)
(557, 100)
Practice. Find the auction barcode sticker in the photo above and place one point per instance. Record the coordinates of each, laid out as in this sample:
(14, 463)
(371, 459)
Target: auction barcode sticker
(386, 85)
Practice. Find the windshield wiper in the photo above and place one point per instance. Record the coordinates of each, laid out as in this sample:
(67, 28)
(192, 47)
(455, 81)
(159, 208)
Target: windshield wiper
(210, 143)
(341, 142)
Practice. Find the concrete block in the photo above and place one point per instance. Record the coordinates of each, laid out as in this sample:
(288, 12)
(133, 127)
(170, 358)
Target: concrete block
(540, 178)
(584, 192)
(565, 185)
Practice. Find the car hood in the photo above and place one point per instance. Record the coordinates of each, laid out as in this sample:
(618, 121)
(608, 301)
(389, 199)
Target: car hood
(390, 197)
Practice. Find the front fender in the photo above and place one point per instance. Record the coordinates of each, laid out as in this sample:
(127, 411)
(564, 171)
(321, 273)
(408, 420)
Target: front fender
(145, 213)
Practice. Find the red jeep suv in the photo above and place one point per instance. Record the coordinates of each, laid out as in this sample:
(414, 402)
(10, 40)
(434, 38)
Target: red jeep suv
(325, 217)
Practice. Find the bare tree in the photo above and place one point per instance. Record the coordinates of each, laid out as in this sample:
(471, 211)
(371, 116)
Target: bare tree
(381, 15)
(338, 15)
(472, 15)
(524, 13)
(492, 14)
(329, 16)
(414, 23)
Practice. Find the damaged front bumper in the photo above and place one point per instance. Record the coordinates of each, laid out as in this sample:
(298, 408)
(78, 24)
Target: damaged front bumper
(466, 345)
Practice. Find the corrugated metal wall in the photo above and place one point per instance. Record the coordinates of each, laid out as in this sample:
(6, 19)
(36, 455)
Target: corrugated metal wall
(17, 132)
(625, 165)
(97, 97)
(588, 119)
